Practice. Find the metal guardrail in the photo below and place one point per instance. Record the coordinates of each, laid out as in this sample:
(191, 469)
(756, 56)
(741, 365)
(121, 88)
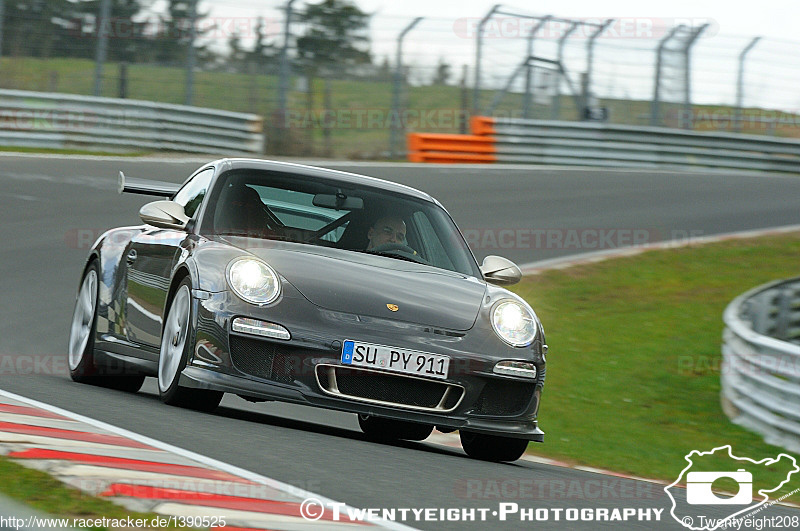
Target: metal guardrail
(67, 121)
(760, 373)
(599, 144)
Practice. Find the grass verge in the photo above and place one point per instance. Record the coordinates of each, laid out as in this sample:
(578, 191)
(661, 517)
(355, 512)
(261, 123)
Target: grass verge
(46, 494)
(633, 380)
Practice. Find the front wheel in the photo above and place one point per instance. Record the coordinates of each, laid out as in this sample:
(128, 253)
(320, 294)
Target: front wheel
(177, 339)
(492, 447)
(387, 429)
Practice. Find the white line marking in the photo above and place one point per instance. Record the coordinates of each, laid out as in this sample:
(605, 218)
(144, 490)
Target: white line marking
(533, 268)
(203, 460)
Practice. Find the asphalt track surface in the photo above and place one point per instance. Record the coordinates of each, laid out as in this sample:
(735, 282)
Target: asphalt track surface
(51, 209)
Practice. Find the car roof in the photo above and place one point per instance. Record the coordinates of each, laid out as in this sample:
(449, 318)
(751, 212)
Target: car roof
(324, 173)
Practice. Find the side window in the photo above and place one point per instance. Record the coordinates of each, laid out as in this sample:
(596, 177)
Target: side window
(431, 242)
(192, 193)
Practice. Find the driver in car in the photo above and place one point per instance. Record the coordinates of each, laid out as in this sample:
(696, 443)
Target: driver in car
(387, 229)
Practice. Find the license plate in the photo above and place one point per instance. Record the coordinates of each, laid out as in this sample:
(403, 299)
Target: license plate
(395, 359)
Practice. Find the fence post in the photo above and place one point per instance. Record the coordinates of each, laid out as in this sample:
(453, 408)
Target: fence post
(276, 143)
(526, 103)
(478, 45)
(687, 76)
(463, 120)
(2, 12)
(590, 63)
(190, 53)
(655, 111)
(102, 45)
(283, 80)
(397, 125)
(739, 84)
(555, 110)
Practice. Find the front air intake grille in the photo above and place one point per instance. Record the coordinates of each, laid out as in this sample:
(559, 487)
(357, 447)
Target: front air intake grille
(389, 389)
(503, 398)
(265, 359)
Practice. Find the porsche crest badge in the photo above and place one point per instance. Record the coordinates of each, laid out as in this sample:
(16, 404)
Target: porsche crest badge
(393, 307)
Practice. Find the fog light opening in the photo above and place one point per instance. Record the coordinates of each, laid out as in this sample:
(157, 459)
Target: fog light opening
(520, 369)
(260, 328)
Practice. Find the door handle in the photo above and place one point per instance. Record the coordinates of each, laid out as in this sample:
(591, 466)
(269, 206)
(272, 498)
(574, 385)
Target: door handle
(132, 254)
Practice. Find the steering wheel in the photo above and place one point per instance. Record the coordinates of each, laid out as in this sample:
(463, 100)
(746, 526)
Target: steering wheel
(398, 249)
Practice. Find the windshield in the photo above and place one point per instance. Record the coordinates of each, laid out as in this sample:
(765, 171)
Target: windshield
(289, 207)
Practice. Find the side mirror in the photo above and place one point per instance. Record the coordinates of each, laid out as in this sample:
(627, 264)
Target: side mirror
(500, 271)
(164, 214)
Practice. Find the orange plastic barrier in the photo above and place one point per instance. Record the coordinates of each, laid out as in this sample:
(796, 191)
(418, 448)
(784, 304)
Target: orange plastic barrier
(482, 125)
(450, 148)
(448, 143)
(451, 158)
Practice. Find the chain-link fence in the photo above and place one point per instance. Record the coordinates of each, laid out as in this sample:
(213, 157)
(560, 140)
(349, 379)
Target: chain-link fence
(638, 71)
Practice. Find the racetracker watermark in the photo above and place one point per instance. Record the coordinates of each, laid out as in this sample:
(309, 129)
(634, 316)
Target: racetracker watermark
(33, 119)
(27, 364)
(755, 364)
(179, 488)
(519, 27)
(383, 119)
(576, 239)
(485, 238)
(556, 489)
(727, 119)
(178, 28)
(313, 509)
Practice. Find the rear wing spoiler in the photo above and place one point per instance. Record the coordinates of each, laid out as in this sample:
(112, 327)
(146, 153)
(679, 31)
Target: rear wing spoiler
(146, 187)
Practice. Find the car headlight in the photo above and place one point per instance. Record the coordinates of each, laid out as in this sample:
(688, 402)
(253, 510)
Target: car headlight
(514, 323)
(253, 280)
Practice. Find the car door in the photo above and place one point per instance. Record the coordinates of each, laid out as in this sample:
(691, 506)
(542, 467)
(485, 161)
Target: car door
(150, 259)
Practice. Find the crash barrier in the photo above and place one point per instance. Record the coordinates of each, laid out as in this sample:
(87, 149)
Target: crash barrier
(67, 121)
(513, 140)
(760, 372)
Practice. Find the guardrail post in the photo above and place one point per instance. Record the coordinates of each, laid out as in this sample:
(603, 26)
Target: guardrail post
(526, 103)
(190, 53)
(688, 123)
(102, 45)
(555, 110)
(740, 85)
(758, 310)
(655, 106)
(478, 45)
(397, 126)
(784, 304)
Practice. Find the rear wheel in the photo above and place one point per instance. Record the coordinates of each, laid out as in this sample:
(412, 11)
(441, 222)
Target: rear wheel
(82, 367)
(387, 429)
(492, 447)
(177, 339)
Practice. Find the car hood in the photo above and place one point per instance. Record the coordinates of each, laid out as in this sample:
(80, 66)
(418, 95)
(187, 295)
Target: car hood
(366, 285)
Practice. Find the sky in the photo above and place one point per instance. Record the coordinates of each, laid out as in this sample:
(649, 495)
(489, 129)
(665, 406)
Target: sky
(624, 55)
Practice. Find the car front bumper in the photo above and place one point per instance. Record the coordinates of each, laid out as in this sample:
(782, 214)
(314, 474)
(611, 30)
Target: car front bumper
(299, 370)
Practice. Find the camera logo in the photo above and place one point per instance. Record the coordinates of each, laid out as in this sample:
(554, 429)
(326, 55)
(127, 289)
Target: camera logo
(698, 488)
